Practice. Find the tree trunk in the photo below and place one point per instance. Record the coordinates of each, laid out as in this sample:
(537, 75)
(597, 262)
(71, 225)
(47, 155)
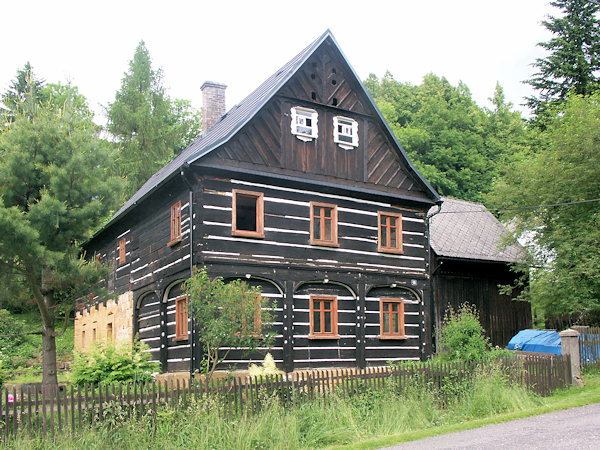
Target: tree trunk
(49, 357)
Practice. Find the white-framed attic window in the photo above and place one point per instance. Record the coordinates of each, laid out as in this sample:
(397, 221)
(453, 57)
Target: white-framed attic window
(345, 132)
(304, 123)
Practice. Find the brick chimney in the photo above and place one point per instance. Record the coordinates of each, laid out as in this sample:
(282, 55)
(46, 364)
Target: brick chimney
(213, 103)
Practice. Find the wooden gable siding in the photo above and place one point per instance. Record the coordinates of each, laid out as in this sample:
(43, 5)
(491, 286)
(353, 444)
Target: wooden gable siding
(384, 166)
(259, 142)
(266, 140)
(287, 231)
(325, 78)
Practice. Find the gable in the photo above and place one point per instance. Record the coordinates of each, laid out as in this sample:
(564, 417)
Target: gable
(325, 83)
(325, 78)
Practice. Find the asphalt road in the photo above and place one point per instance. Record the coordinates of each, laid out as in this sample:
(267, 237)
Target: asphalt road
(577, 428)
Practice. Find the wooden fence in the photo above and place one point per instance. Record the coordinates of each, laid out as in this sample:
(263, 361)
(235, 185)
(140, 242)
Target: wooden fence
(589, 346)
(52, 410)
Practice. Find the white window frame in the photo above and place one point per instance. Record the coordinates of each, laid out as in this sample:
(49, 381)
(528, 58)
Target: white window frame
(350, 131)
(299, 128)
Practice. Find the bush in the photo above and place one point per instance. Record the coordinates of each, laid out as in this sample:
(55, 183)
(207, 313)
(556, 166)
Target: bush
(266, 368)
(462, 337)
(108, 363)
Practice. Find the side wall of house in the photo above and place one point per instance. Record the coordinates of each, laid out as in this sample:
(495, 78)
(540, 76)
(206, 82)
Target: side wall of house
(479, 284)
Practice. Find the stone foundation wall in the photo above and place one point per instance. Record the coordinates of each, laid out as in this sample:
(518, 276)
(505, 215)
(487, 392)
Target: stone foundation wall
(100, 323)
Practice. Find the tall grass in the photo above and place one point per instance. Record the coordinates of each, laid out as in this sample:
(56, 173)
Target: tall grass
(314, 424)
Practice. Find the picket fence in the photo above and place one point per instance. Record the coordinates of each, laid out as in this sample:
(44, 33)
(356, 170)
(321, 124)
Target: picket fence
(53, 410)
(589, 346)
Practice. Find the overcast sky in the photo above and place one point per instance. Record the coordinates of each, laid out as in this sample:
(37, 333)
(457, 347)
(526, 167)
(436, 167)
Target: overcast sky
(241, 43)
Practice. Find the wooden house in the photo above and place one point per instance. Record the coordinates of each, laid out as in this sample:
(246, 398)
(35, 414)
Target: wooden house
(470, 262)
(301, 189)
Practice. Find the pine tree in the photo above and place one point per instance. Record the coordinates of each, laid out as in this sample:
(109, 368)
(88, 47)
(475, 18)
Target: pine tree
(573, 60)
(56, 189)
(150, 127)
(24, 93)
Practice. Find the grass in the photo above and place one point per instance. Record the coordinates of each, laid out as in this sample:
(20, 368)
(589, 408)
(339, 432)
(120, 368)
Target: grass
(562, 399)
(372, 419)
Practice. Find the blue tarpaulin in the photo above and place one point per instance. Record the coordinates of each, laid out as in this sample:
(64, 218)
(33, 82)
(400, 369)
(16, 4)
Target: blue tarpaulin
(540, 341)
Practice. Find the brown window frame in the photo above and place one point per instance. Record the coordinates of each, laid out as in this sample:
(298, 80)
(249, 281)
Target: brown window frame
(334, 317)
(256, 320)
(181, 318)
(399, 244)
(401, 334)
(175, 223)
(260, 213)
(334, 224)
(122, 254)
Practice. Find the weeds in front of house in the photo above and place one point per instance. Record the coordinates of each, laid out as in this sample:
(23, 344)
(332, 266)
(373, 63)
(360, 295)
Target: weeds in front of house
(334, 420)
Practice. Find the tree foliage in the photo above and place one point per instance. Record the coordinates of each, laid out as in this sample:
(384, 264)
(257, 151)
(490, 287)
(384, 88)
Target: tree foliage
(24, 94)
(150, 127)
(573, 60)
(227, 315)
(565, 167)
(455, 144)
(56, 189)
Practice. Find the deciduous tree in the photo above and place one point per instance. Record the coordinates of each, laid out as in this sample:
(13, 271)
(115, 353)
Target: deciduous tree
(226, 316)
(564, 168)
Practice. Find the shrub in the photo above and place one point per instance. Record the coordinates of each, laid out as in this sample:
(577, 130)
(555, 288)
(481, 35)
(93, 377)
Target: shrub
(462, 337)
(108, 363)
(266, 368)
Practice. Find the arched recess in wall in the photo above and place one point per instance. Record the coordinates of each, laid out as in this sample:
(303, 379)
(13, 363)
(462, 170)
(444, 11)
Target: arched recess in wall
(148, 322)
(323, 287)
(390, 291)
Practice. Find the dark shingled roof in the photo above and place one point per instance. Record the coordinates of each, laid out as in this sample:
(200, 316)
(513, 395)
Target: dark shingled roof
(235, 119)
(467, 230)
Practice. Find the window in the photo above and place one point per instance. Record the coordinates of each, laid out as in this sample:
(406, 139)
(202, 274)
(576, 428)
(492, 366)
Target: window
(109, 332)
(181, 318)
(323, 224)
(345, 132)
(83, 339)
(304, 123)
(247, 214)
(323, 317)
(255, 322)
(122, 251)
(175, 223)
(93, 336)
(390, 232)
(391, 318)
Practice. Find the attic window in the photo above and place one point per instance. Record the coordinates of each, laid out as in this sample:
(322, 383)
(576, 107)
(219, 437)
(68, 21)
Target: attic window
(304, 123)
(345, 132)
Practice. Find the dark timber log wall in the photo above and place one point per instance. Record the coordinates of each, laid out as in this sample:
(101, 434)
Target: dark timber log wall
(458, 282)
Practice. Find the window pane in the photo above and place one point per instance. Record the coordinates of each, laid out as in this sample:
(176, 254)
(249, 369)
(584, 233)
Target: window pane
(246, 212)
(316, 321)
(395, 307)
(386, 323)
(327, 212)
(395, 323)
(393, 238)
(384, 235)
(317, 228)
(327, 306)
(327, 231)
(327, 323)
